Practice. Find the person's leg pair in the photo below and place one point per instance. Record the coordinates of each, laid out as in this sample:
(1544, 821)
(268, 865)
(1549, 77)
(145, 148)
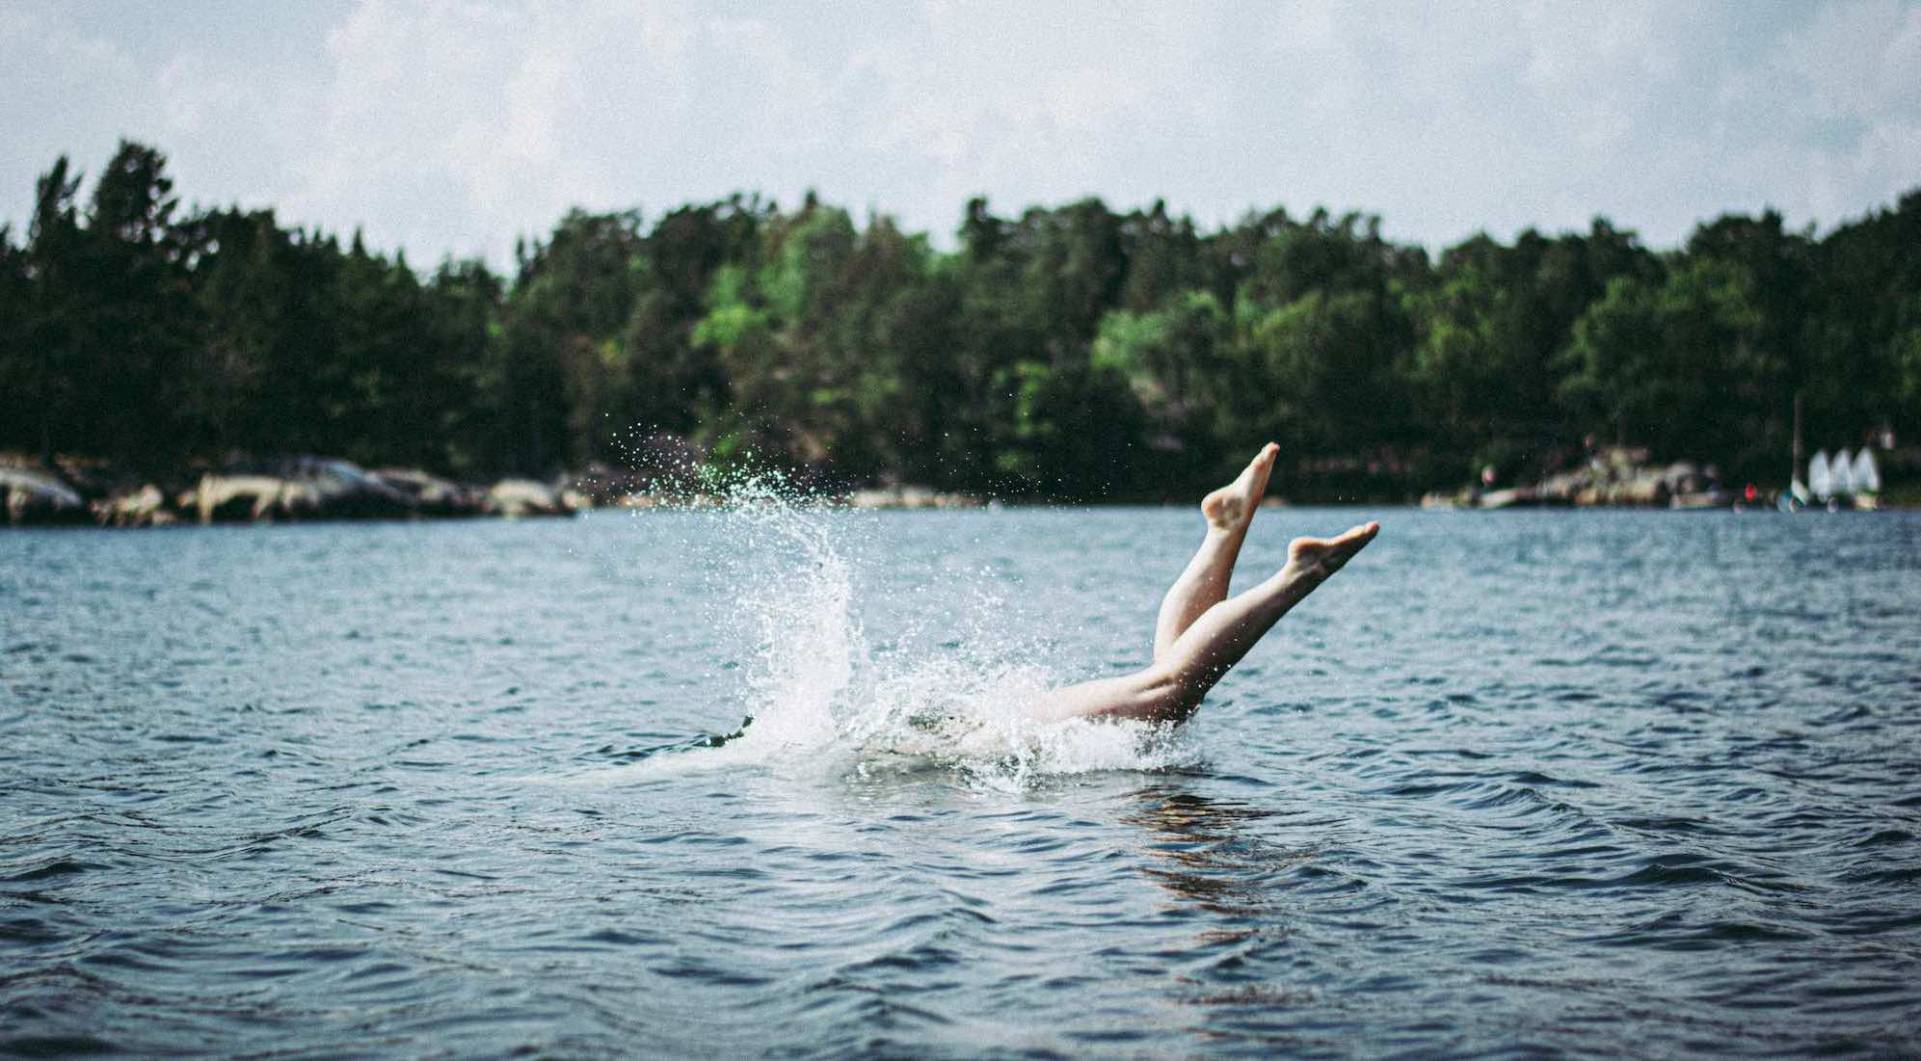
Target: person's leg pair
(1201, 632)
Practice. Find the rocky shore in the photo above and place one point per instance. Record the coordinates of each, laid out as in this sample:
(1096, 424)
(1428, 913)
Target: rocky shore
(911, 497)
(1617, 477)
(71, 492)
(300, 489)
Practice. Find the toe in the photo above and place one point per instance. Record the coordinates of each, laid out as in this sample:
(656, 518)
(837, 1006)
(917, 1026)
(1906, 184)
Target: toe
(1359, 531)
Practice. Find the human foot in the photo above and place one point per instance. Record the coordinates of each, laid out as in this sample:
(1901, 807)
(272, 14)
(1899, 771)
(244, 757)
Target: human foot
(1312, 560)
(1232, 506)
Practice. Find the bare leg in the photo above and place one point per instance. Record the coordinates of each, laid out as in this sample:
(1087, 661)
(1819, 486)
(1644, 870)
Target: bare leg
(1203, 584)
(1170, 689)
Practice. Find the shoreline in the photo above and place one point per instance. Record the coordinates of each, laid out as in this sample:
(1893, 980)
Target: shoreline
(992, 506)
(75, 492)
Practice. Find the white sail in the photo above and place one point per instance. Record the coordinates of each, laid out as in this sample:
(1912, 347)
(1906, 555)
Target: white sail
(1867, 476)
(1820, 484)
(1841, 474)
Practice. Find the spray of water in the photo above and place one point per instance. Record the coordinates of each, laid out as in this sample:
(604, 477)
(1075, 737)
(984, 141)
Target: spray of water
(817, 688)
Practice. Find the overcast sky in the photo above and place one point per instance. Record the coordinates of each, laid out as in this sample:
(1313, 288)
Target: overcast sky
(454, 127)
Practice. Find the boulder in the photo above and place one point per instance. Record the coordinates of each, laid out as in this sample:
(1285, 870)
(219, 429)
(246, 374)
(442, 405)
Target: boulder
(337, 489)
(30, 496)
(1702, 500)
(604, 484)
(1513, 497)
(235, 498)
(515, 498)
(430, 495)
(305, 488)
(910, 497)
(145, 507)
(1614, 476)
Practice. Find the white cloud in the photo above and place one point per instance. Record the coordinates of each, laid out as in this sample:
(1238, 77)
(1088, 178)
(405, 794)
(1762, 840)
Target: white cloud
(446, 126)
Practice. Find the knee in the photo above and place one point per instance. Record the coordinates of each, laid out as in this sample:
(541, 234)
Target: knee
(1167, 695)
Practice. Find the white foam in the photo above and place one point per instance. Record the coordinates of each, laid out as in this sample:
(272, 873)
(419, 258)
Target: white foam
(817, 691)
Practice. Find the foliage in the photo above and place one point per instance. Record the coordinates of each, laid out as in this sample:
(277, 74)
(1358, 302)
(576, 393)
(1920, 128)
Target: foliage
(1071, 352)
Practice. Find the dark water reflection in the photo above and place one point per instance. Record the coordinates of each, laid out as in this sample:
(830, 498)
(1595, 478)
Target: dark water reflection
(1622, 783)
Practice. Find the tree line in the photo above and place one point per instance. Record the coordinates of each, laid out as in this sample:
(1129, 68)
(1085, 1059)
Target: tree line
(1067, 352)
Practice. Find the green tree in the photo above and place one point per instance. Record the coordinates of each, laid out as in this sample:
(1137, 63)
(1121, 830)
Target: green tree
(569, 375)
(1867, 276)
(139, 326)
(1175, 362)
(1680, 367)
(1066, 351)
(56, 329)
(17, 376)
(1321, 374)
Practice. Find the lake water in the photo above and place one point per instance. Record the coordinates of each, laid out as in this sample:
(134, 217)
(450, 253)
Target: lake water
(1512, 782)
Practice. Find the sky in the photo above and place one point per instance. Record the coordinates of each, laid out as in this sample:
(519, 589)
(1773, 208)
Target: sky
(456, 127)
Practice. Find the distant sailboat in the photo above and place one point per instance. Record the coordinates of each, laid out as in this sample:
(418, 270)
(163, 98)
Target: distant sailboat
(1837, 482)
(1821, 477)
(1796, 497)
(1841, 475)
(1867, 476)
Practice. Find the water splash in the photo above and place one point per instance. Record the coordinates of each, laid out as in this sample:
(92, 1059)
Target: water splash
(816, 688)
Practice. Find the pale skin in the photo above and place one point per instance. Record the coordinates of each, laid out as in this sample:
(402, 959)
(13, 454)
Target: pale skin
(1201, 632)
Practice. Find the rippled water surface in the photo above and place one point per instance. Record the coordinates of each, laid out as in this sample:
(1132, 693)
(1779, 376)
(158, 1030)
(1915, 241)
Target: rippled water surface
(1623, 782)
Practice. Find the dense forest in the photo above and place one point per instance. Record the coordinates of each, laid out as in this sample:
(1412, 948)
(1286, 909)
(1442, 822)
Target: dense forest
(1071, 352)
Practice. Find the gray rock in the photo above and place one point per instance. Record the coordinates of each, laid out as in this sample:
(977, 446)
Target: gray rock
(306, 488)
(30, 496)
(430, 495)
(515, 498)
(145, 507)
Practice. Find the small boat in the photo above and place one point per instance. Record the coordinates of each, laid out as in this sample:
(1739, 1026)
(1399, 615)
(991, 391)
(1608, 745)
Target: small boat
(1821, 476)
(1834, 483)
